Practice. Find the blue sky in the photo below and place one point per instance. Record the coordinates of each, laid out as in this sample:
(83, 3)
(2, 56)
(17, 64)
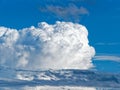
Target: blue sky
(101, 17)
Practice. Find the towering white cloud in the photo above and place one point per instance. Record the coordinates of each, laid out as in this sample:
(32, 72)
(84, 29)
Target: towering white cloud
(63, 45)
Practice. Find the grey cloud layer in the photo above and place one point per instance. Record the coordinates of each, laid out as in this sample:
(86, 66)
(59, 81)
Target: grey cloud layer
(71, 12)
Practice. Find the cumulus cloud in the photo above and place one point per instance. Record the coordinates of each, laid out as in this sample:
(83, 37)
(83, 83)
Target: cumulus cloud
(71, 12)
(63, 45)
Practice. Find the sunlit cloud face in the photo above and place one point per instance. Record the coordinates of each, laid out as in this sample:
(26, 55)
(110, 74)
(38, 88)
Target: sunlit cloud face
(63, 45)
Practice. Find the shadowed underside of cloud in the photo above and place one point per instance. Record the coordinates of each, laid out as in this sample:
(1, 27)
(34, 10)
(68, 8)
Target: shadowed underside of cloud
(67, 13)
(63, 45)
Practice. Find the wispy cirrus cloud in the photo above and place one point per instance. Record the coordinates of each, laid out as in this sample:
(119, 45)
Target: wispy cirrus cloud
(69, 13)
(109, 44)
(107, 57)
(90, 2)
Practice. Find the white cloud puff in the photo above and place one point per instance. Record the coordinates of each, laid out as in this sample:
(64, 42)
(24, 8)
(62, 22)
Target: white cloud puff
(63, 45)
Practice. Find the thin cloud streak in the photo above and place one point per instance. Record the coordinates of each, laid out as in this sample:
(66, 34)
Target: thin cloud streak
(107, 58)
(109, 44)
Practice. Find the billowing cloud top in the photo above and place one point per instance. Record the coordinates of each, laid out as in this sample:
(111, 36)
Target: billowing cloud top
(63, 45)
